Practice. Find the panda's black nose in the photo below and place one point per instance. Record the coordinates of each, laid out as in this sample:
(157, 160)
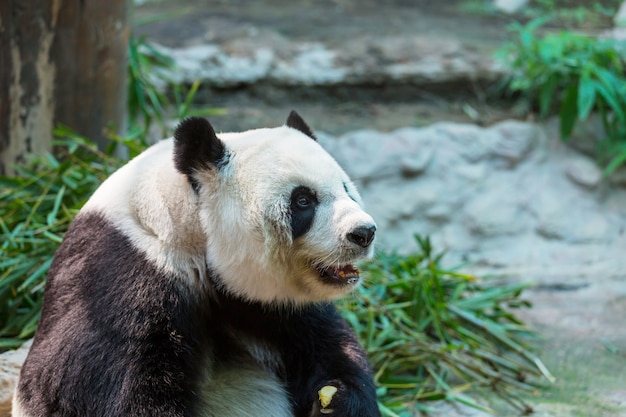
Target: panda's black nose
(362, 235)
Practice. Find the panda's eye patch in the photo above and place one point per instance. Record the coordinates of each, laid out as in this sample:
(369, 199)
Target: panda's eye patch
(302, 210)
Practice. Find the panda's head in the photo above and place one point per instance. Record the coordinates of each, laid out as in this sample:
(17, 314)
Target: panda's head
(283, 222)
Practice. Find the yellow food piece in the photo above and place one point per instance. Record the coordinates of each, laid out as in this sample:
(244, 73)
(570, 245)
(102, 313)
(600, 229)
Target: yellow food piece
(326, 395)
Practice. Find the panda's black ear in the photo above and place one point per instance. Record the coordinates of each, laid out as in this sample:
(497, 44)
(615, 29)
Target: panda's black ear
(196, 147)
(294, 121)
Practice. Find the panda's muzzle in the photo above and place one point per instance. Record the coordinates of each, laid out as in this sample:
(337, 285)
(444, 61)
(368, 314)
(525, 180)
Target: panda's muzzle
(347, 274)
(342, 275)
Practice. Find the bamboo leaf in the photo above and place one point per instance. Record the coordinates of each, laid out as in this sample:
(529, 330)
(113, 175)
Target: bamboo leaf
(38, 273)
(618, 160)
(610, 99)
(546, 94)
(586, 95)
(51, 217)
(569, 111)
(418, 343)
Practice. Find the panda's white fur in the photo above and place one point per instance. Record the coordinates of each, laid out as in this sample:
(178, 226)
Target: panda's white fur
(147, 199)
(218, 244)
(150, 201)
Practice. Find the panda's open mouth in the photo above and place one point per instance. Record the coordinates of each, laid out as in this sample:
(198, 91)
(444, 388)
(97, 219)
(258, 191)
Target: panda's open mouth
(342, 275)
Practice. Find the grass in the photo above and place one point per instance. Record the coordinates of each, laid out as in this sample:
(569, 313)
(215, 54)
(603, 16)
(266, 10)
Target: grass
(36, 208)
(435, 334)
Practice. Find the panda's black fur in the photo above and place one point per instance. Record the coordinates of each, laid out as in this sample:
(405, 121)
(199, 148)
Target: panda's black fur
(197, 148)
(115, 338)
(121, 336)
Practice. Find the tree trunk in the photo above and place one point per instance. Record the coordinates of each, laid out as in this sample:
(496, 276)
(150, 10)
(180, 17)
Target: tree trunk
(61, 61)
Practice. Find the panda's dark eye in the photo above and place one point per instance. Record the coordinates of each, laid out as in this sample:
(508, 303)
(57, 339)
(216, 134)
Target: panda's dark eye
(304, 201)
(302, 198)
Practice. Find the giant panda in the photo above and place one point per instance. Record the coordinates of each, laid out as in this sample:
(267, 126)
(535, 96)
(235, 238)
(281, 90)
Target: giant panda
(197, 281)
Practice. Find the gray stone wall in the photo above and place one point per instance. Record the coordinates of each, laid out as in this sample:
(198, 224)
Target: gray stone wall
(510, 199)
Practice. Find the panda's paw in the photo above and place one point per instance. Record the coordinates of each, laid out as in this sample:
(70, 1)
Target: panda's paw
(328, 398)
(335, 399)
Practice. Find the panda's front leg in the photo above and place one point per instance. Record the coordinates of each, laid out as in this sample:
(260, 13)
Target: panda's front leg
(344, 387)
(334, 377)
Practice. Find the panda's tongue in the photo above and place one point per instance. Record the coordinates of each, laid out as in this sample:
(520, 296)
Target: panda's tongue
(344, 273)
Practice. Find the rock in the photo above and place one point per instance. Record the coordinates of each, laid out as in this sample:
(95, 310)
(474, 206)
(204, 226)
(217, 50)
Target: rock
(210, 62)
(510, 6)
(513, 140)
(472, 141)
(583, 171)
(617, 33)
(367, 154)
(394, 200)
(620, 16)
(618, 177)
(505, 196)
(471, 173)
(587, 135)
(574, 221)
(10, 364)
(417, 59)
(494, 214)
(313, 64)
(412, 165)
(398, 60)
(457, 238)
(418, 151)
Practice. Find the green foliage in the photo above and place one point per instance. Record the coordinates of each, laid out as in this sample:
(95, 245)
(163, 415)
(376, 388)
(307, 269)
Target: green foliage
(146, 101)
(152, 97)
(36, 208)
(573, 75)
(563, 12)
(433, 334)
